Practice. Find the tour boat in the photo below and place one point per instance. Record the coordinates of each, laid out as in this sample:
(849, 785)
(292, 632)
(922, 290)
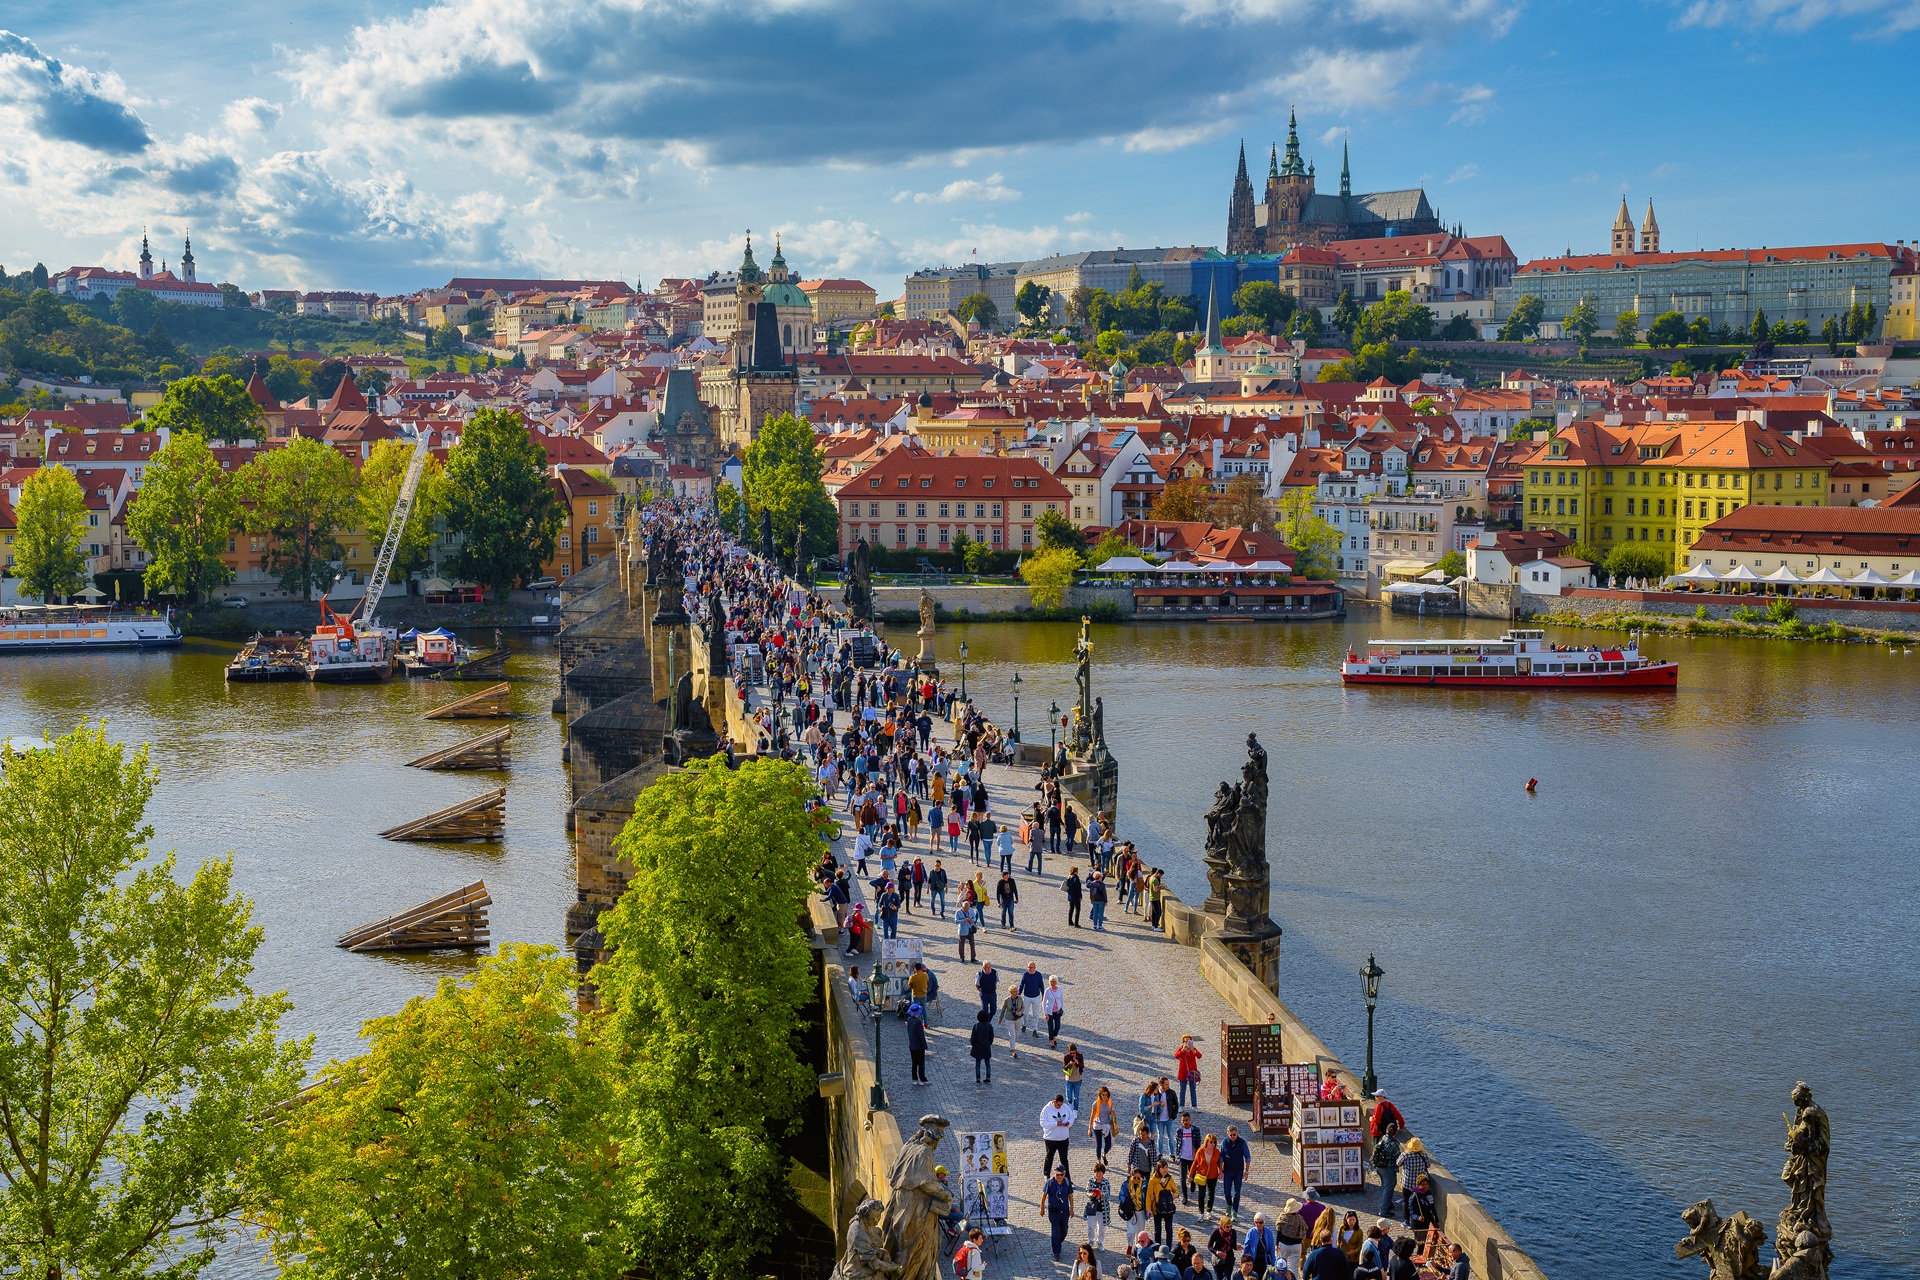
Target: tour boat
(1517, 660)
(68, 628)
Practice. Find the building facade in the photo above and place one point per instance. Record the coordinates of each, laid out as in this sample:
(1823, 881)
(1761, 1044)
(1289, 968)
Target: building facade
(915, 501)
(1293, 212)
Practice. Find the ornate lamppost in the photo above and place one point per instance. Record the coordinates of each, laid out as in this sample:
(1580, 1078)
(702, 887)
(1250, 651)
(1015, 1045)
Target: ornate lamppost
(1053, 728)
(1016, 706)
(1370, 976)
(963, 671)
(877, 1096)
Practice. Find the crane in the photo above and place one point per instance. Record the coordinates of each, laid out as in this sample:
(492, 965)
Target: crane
(396, 525)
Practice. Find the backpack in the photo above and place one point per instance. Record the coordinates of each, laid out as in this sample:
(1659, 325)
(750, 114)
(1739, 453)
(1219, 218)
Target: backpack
(963, 1261)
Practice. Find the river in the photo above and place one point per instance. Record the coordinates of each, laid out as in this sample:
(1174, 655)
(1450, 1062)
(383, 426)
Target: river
(1596, 997)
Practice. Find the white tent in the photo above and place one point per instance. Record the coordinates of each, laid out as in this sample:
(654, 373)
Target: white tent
(1869, 578)
(1740, 573)
(1825, 578)
(1125, 564)
(1908, 581)
(1783, 575)
(90, 592)
(1699, 573)
(1270, 566)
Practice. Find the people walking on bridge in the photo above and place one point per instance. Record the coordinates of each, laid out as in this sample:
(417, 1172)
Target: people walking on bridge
(1057, 1196)
(1413, 1164)
(917, 1041)
(1222, 1244)
(966, 927)
(1032, 987)
(1186, 1146)
(1163, 1199)
(1097, 902)
(1010, 1010)
(1142, 1153)
(1261, 1249)
(1386, 1163)
(1099, 1206)
(1003, 846)
(1101, 1121)
(1006, 893)
(937, 889)
(1187, 1071)
(1056, 1129)
(1073, 1066)
(980, 1043)
(987, 983)
(1073, 887)
(1235, 1155)
(1053, 1008)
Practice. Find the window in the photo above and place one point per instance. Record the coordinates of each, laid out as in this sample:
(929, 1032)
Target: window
(1573, 507)
(1721, 508)
(1606, 532)
(900, 534)
(566, 542)
(1560, 506)
(1606, 506)
(1026, 537)
(593, 533)
(943, 512)
(979, 511)
(1026, 511)
(996, 511)
(943, 535)
(920, 535)
(1609, 477)
(899, 509)
(996, 537)
(1689, 511)
(873, 508)
(920, 510)
(593, 506)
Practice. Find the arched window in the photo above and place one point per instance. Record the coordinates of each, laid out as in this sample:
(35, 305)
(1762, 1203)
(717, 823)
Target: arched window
(788, 340)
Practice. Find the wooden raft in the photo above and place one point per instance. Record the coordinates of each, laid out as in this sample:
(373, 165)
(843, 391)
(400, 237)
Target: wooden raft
(457, 919)
(488, 704)
(484, 817)
(491, 750)
(492, 664)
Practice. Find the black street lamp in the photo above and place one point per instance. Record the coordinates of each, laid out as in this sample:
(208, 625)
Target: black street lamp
(877, 1096)
(1016, 706)
(1371, 976)
(963, 671)
(1053, 727)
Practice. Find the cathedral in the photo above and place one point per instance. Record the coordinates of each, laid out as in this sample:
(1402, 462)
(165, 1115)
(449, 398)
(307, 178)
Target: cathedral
(756, 381)
(1294, 213)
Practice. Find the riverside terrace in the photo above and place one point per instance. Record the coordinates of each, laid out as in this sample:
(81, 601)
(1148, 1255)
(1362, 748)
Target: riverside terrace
(1131, 993)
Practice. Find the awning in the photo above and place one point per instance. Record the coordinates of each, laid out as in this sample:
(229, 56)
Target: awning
(1825, 578)
(1783, 575)
(442, 632)
(1740, 573)
(1869, 578)
(409, 634)
(1699, 573)
(1910, 580)
(1416, 589)
(436, 586)
(91, 592)
(1125, 564)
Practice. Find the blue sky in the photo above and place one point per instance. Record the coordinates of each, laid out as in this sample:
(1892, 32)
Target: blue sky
(386, 146)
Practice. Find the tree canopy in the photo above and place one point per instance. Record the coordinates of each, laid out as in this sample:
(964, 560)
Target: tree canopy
(1636, 560)
(1377, 360)
(1583, 320)
(1031, 300)
(217, 408)
(1313, 540)
(977, 308)
(380, 479)
(185, 512)
(1524, 320)
(1187, 498)
(500, 501)
(50, 548)
(1056, 530)
(137, 1060)
(300, 497)
(1395, 316)
(1266, 302)
(1049, 575)
(704, 991)
(782, 471)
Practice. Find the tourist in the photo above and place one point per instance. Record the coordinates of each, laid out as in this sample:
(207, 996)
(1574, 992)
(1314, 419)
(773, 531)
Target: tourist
(1056, 1127)
(1031, 836)
(1071, 818)
(1149, 1108)
(1142, 1153)
(1349, 1236)
(862, 994)
(1098, 1208)
(1073, 1066)
(918, 878)
(1053, 1007)
(1159, 1266)
(1261, 1249)
(1072, 887)
(1097, 901)
(917, 1041)
(1401, 1266)
(1133, 1202)
(1385, 1118)
(937, 889)
(1187, 1071)
(1376, 1253)
(1183, 1256)
(1206, 1174)
(1235, 1156)
(1086, 1263)
(919, 982)
(1011, 1010)
(1057, 1197)
(1053, 822)
(1006, 893)
(1386, 1156)
(981, 1040)
(1326, 1260)
(1310, 1210)
(855, 930)
(970, 1262)
(966, 927)
(1032, 987)
(1156, 891)
(1221, 1245)
(987, 983)
(1289, 1233)
(1421, 1211)
(889, 910)
(1100, 1125)
(1163, 1192)
(1460, 1269)
(953, 831)
(1186, 1145)
(1169, 1115)
(1413, 1165)
(1003, 846)
(1094, 831)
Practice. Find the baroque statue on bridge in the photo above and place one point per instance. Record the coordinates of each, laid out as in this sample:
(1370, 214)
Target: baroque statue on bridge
(1730, 1246)
(916, 1202)
(1803, 1244)
(858, 596)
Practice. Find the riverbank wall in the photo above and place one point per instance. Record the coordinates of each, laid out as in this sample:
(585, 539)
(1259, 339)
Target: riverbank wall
(968, 602)
(1584, 603)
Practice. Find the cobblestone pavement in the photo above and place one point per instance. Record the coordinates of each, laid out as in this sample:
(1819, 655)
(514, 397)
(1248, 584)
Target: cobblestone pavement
(1131, 993)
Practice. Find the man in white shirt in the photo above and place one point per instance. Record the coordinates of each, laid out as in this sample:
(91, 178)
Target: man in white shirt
(1056, 1126)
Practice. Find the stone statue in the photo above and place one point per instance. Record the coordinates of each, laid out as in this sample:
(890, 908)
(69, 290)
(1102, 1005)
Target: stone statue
(653, 558)
(716, 638)
(866, 1256)
(800, 574)
(1730, 1246)
(926, 612)
(1083, 679)
(859, 591)
(926, 661)
(672, 607)
(1809, 1140)
(1099, 723)
(1237, 865)
(1219, 859)
(916, 1202)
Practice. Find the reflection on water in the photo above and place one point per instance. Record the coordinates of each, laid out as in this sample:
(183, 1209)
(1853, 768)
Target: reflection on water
(1597, 997)
(295, 779)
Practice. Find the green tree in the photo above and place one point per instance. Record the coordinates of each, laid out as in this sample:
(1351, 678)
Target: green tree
(1700, 332)
(1111, 544)
(977, 308)
(448, 337)
(1031, 301)
(1830, 334)
(1240, 326)
(373, 381)
(1188, 498)
(1305, 325)
(1669, 329)
(1453, 564)
(1583, 320)
(137, 1060)
(1057, 531)
(217, 408)
(380, 479)
(1380, 360)
(1049, 575)
(1636, 560)
(50, 555)
(979, 558)
(1346, 312)
(1759, 330)
(300, 497)
(1242, 504)
(185, 511)
(782, 470)
(1313, 540)
(469, 1140)
(1395, 316)
(1627, 328)
(1459, 329)
(1266, 302)
(500, 501)
(1524, 320)
(705, 991)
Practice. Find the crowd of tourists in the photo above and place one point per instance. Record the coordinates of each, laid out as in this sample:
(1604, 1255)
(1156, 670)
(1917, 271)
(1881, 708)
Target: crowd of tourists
(905, 760)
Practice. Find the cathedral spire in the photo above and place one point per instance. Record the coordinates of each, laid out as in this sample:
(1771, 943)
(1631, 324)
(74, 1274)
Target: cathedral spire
(1213, 314)
(1293, 167)
(1346, 171)
(1242, 175)
(1273, 161)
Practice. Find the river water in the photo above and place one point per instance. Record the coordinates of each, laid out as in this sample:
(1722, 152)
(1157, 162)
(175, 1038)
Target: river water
(1596, 997)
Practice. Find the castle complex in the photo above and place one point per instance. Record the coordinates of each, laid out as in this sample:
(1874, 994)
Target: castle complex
(1293, 213)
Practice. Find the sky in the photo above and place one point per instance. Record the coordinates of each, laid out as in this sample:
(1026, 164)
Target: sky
(386, 146)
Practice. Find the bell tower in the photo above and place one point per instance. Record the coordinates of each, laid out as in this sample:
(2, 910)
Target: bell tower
(1649, 232)
(1623, 231)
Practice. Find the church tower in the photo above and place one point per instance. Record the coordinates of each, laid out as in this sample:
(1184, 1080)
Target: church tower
(146, 258)
(1242, 235)
(1649, 232)
(1346, 173)
(186, 259)
(1289, 187)
(747, 293)
(1623, 231)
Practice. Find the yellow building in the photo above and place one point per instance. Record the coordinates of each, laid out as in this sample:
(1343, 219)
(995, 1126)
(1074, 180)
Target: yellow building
(839, 299)
(1903, 300)
(1663, 482)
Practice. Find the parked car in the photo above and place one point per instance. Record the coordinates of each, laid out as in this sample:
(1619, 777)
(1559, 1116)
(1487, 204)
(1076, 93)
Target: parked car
(543, 584)
(234, 602)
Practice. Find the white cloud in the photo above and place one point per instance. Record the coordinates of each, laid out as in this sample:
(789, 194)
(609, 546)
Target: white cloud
(993, 188)
(1475, 105)
(1884, 16)
(1076, 218)
(1464, 173)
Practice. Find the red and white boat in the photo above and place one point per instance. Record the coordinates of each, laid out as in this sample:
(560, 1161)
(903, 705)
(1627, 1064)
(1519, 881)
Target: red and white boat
(1517, 660)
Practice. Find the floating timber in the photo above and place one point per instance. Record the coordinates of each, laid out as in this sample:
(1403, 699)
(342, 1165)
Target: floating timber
(484, 817)
(488, 704)
(457, 919)
(492, 664)
(491, 750)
